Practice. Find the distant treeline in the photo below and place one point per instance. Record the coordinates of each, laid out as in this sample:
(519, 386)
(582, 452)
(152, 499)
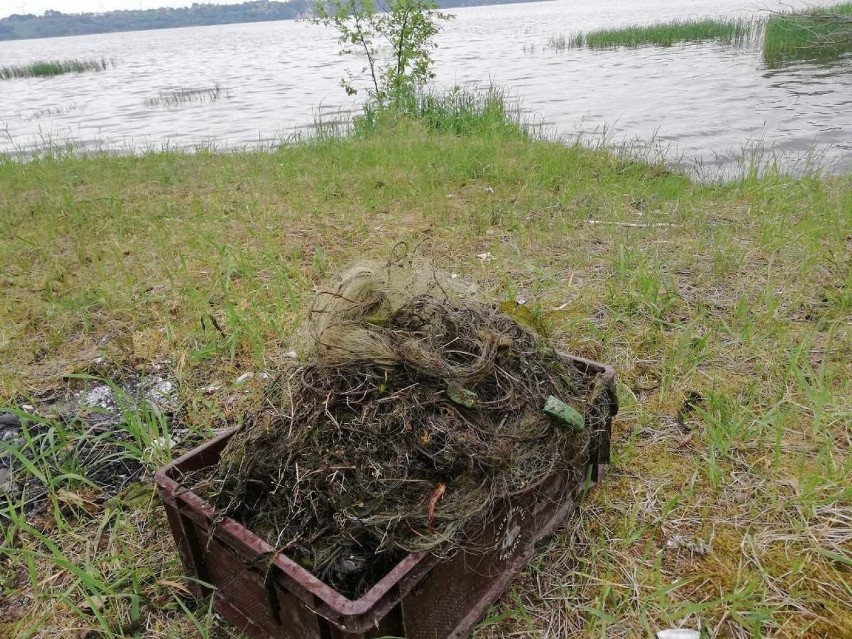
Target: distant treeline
(55, 23)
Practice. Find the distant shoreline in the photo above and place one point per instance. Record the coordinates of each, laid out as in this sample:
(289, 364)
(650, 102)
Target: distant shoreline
(55, 24)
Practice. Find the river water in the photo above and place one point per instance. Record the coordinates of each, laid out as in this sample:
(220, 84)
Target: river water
(708, 105)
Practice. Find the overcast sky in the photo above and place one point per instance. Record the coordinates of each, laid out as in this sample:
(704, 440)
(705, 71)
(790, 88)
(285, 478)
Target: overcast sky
(8, 7)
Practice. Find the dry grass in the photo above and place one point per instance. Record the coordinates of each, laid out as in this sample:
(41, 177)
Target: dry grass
(725, 310)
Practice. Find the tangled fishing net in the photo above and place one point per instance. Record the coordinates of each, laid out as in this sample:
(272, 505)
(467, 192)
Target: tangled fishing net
(417, 412)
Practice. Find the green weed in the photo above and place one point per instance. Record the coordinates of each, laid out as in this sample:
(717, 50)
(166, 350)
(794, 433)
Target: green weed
(820, 34)
(54, 67)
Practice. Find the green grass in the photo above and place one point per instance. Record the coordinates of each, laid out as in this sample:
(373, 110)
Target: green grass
(723, 307)
(821, 34)
(731, 31)
(53, 67)
(460, 111)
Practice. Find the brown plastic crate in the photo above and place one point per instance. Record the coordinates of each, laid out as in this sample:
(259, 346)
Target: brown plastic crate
(267, 595)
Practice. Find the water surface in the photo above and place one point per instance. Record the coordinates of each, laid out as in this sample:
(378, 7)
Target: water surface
(704, 102)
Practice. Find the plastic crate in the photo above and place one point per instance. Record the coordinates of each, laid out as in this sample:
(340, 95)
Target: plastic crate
(267, 595)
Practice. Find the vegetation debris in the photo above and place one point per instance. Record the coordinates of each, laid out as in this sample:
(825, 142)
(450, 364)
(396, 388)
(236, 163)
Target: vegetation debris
(419, 409)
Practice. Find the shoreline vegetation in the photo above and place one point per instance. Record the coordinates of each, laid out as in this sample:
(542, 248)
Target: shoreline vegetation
(821, 34)
(49, 68)
(723, 308)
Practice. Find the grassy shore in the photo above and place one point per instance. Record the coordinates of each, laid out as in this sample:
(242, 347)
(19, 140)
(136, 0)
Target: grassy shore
(53, 67)
(724, 308)
(823, 33)
(663, 34)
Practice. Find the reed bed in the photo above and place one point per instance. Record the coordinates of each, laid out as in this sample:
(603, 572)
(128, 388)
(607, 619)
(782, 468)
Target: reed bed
(731, 31)
(178, 97)
(51, 68)
(821, 34)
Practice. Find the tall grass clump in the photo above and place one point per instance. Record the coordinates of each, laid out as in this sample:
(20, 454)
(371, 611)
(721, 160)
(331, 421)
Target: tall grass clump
(821, 34)
(54, 67)
(734, 31)
(459, 111)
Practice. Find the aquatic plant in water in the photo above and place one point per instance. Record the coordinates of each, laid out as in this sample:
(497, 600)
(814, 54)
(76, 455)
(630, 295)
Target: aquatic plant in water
(821, 34)
(732, 31)
(49, 68)
(179, 97)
